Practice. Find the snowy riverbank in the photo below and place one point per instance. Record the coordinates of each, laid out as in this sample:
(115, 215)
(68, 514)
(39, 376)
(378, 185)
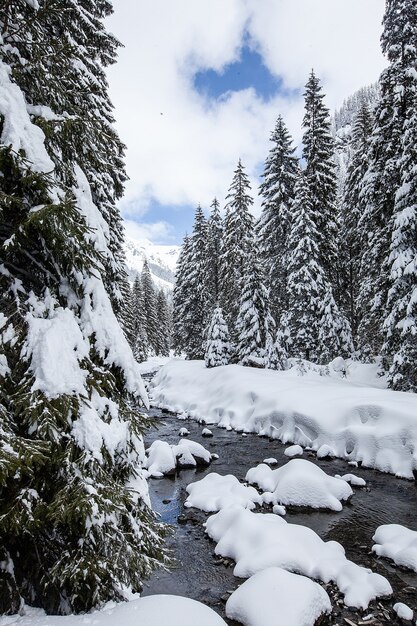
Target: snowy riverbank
(350, 417)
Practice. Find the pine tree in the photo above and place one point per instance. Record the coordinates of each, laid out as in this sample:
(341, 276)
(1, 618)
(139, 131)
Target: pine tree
(213, 251)
(238, 242)
(277, 192)
(217, 341)
(318, 152)
(254, 323)
(275, 353)
(180, 297)
(149, 304)
(164, 324)
(74, 529)
(352, 208)
(383, 180)
(140, 341)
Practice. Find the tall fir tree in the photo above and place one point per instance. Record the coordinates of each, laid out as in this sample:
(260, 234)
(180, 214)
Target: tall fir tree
(255, 324)
(180, 297)
(384, 177)
(164, 324)
(237, 247)
(318, 153)
(213, 251)
(74, 530)
(217, 346)
(149, 304)
(140, 341)
(277, 193)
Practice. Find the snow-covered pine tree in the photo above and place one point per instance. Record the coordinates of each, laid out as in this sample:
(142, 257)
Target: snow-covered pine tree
(69, 101)
(213, 251)
(140, 342)
(217, 346)
(237, 247)
(352, 208)
(149, 296)
(197, 304)
(318, 153)
(275, 352)
(317, 329)
(384, 177)
(277, 193)
(75, 530)
(164, 324)
(180, 297)
(255, 323)
(400, 327)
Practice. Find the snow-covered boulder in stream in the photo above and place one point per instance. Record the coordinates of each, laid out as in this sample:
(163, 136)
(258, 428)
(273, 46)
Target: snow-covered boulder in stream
(257, 541)
(300, 483)
(215, 492)
(163, 459)
(353, 416)
(275, 596)
(397, 543)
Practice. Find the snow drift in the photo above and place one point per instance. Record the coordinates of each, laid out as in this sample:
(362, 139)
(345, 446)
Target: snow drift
(357, 420)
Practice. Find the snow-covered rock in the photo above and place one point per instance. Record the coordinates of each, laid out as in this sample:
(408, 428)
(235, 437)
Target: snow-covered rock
(184, 432)
(270, 461)
(256, 541)
(397, 543)
(206, 432)
(301, 483)
(325, 452)
(158, 610)
(162, 459)
(215, 492)
(357, 419)
(403, 611)
(278, 509)
(293, 451)
(356, 481)
(275, 596)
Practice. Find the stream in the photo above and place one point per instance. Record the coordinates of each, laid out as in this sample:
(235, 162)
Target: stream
(201, 575)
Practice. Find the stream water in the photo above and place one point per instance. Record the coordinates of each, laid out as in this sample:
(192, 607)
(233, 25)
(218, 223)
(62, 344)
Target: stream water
(199, 574)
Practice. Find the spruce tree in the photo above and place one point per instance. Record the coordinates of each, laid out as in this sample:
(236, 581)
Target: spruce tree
(238, 242)
(149, 304)
(140, 342)
(254, 323)
(180, 297)
(75, 530)
(213, 251)
(384, 177)
(164, 324)
(217, 347)
(318, 153)
(277, 193)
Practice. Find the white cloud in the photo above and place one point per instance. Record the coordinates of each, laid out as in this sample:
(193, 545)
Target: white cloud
(154, 231)
(183, 149)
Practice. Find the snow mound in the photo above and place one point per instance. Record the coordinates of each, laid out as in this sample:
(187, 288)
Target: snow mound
(257, 541)
(403, 611)
(215, 492)
(356, 481)
(163, 459)
(184, 432)
(206, 432)
(352, 416)
(275, 596)
(294, 451)
(397, 543)
(301, 483)
(158, 610)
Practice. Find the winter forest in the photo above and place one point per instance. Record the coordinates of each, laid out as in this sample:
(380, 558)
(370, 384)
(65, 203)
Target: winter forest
(237, 446)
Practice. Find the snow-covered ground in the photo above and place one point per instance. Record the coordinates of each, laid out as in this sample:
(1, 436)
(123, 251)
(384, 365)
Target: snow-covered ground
(351, 417)
(158, 610)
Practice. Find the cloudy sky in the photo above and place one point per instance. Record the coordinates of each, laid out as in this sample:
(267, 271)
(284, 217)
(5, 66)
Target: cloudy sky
(199, 84)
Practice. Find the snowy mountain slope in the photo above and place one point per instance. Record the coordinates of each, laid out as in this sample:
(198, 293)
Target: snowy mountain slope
(162, 260)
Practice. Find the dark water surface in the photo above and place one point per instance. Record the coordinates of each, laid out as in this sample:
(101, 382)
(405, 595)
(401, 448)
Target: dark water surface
(200, 575)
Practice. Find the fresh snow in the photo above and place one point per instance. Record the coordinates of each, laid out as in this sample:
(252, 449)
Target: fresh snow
(157, 610)
(215, 492)
(397, 543)
(293, 451)
(355, 420)
(163, 458)
(257, 541)
(403, 611)
(274, 596)
(300, 483)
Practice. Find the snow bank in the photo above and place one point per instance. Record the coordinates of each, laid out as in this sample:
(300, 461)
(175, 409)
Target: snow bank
(300, 483)
(397, 543)
(359, 422)
(215, 492)
(275, 596)
(257, 541)
(163, 459)
(158, 610)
